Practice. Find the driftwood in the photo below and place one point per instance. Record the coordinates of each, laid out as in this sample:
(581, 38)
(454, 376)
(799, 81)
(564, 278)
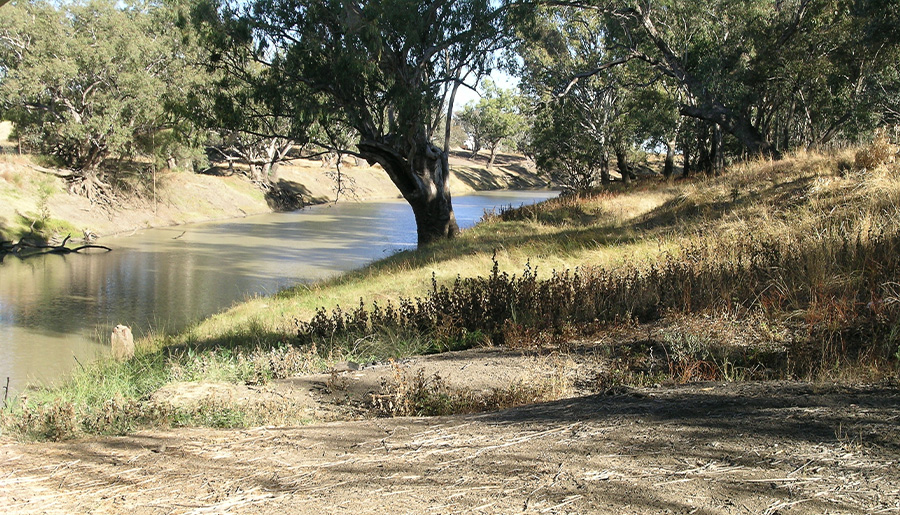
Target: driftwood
(25, 249)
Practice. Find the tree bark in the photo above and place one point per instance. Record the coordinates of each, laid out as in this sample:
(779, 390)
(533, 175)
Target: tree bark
(622, 165)
(737, 126)
(604, 168)
(422, 176)
(669, 167)
(687, 167)
(703, 162)
(717, 154)
(708, 107)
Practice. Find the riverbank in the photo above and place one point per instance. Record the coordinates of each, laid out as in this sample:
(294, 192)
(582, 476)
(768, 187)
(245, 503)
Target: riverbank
(728, 344)
(36, 200)
(777, 270)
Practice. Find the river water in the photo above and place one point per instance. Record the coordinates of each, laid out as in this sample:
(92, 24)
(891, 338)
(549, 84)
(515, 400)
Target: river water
(56, 310)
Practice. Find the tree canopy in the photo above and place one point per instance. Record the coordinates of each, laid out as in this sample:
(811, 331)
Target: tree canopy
(714, 78)
(496, 117)
(85, 81)
(385, 69)
(709, 80)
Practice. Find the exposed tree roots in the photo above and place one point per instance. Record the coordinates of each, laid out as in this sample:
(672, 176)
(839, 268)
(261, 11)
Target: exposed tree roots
(89, 185)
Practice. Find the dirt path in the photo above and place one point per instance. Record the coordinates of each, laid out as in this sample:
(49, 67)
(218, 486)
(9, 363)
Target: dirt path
(704, 448)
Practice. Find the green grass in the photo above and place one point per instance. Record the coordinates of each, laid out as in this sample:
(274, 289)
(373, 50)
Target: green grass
(778, 269)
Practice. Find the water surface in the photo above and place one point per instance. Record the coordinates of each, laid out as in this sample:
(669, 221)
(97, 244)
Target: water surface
(56, 310)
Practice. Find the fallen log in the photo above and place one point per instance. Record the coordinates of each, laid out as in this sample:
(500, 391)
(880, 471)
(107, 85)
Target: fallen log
(24, 249)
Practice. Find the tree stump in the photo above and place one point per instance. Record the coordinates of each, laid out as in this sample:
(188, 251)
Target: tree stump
(122, 343)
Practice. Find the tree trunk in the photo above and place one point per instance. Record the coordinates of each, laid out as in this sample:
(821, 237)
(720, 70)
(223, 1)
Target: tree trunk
(717, 153)
(669, 167)
(476, 147)
(491, 160)
(622, 165)
(708, 108)
(686, 168)
(738, 126)
(604, 168)
(422, 176)
(703, 162)
(255, 172)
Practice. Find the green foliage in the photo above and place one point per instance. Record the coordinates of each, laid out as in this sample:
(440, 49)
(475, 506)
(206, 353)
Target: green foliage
(771, 76)
(377, 75)
(496, 118)
(579, 123)
(379, 68)
(572, 156)
(85, 81)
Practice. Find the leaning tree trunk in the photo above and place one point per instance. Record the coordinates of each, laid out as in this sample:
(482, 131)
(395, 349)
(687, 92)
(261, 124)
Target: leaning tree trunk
(738, 126)
(422, 176)
(708, 108)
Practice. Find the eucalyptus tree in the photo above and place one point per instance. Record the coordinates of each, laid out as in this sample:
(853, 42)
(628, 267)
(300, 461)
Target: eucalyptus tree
(591, 109)
(86, 81)
(771, 74)
(387, 69)
(496, 117)
(567, 152)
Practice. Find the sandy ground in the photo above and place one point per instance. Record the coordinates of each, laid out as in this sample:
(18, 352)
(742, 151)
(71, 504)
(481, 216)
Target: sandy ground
(771, 447)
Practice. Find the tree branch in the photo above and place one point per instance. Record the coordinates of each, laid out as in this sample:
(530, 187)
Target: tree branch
(583, 75)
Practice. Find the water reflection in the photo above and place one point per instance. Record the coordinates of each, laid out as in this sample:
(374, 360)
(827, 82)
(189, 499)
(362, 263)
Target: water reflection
(56, 309)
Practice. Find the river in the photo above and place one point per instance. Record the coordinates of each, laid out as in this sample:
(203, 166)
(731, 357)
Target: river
(56, 310)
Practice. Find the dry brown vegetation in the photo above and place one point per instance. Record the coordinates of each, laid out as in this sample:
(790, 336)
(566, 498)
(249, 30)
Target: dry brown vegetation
(701, 294)
(778, 270)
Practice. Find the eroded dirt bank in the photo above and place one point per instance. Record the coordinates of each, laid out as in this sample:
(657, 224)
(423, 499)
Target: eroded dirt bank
(769, 447)
(32, 199)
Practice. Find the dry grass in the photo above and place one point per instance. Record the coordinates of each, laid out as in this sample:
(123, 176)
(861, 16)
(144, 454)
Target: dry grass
(778, 269)
(412, 393)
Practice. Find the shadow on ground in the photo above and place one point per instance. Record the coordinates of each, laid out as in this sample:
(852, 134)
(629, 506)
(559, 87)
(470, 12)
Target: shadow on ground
(703, 448)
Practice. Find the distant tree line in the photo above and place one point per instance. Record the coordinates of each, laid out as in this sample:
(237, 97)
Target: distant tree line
(710, 80)
(162, 83)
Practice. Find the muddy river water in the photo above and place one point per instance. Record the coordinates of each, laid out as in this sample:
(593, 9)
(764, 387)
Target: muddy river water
(56, 310)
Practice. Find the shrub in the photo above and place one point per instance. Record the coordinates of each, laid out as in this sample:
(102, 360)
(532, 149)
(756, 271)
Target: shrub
(828, 278)
(879, 152)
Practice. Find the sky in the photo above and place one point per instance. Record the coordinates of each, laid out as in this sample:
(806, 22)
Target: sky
(465, 95)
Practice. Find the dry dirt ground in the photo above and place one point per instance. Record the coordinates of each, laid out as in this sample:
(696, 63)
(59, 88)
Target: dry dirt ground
(768, 447)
